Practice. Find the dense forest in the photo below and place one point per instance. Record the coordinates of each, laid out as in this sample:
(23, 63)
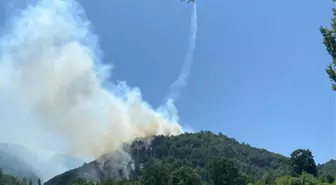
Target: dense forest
(202, 158)
(6, 179)
(208, 158)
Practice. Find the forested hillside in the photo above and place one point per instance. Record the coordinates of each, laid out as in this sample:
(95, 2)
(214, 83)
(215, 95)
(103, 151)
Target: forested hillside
(12, 161)
(192, 159)
(6, 179)
(196, 149)
(198, 157)
(329, 168)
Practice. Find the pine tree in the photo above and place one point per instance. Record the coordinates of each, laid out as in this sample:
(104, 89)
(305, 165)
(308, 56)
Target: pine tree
(24, 180)
(329, 40)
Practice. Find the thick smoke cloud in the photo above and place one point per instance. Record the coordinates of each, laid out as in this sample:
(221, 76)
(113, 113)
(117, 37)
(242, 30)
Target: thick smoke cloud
(54, 95)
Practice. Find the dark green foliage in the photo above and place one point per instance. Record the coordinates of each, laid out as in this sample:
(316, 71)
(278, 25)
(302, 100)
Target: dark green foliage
(165, 159)
(156, 172)
(222, 171)
(294, 181)
(8, 179)
(184, 176)
(328, 169)
(82, 182)
(24, 180)
(302, 161)
(329, 178)
(329, 40)
(268, 178)
(208, 159)
(195, 149)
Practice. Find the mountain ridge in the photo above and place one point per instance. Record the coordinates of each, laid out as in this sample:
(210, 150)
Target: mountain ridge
(190, 148)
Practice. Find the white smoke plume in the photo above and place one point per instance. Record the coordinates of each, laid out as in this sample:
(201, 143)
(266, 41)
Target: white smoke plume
(54, 93)
(182, 80)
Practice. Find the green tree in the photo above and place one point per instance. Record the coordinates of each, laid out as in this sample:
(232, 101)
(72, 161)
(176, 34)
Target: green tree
(156, 172)
(302, 160)
(329, 40)
(30, 181)
(82, 182)
(308, 179)
(284, 180)
(24, 180)
(294, 181)
(330, 179)
(39, 182)
(184, 176)
(268, 178)
(222, 171)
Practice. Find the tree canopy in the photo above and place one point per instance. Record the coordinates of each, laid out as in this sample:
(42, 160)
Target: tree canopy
(329, 40)
(210, 159)
(302, 160)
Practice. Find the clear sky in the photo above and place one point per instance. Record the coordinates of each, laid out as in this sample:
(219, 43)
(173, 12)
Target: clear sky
(258, 72)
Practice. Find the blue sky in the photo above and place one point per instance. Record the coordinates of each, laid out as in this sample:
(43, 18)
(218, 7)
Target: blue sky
(258, 72)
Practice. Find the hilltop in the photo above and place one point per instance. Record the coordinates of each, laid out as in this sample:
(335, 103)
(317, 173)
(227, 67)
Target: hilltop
(191, 149)
(187, 155)
(13, 161)
(6, 179)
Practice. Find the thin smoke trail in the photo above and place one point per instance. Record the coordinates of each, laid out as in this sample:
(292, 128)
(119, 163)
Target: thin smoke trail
(182, 80)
